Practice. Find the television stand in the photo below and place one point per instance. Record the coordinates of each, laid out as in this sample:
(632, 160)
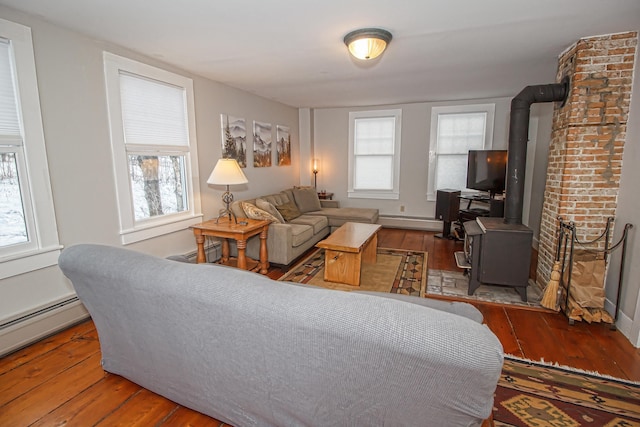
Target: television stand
(490, 207)
(472, 213)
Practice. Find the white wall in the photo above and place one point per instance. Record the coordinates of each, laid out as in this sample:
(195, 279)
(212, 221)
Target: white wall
(72, 95)
(331, 142)
(537, 161)
(306, 146)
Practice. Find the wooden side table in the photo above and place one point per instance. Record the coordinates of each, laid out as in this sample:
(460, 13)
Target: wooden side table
(240, 233)
(325, 196)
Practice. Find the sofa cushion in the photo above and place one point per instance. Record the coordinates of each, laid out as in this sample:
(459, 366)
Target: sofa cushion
(288, 211)
(266, 206)
(288, 193)
(318, 222)
(278, 198)
(254, 212)
(301, 233)
(338, 216)
(306, 199)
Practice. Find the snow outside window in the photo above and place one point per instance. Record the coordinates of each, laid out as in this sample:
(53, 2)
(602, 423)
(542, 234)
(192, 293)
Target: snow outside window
(154, 148)
(28, 231)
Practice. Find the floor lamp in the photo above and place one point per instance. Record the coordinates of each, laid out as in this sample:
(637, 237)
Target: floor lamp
(227, 172)
(315, 173)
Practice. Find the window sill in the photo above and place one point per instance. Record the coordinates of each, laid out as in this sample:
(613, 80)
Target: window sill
(154, 230)
(27, 262)
(373, 195)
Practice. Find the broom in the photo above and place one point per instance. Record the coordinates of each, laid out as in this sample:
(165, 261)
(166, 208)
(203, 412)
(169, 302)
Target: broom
(550, 297)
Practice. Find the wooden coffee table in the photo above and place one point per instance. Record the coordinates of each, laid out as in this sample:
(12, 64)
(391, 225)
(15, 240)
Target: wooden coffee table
(240, 233)
(346, 249)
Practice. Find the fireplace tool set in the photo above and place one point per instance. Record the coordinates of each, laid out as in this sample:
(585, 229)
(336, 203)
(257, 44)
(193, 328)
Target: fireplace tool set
(578, 275)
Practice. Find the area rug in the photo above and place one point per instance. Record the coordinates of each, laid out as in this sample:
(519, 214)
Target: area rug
(396, 271)
(535, 394)
(455, 285)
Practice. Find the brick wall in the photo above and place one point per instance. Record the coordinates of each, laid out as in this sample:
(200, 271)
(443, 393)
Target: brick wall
(587, 140)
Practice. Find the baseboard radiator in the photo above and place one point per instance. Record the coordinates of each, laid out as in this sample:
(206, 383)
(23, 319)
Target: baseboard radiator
(26, 328)
(29, 327)
(212, 250)
(412, 222)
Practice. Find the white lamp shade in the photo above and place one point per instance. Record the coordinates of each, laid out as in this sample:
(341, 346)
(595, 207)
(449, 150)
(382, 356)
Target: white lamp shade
(227, 172)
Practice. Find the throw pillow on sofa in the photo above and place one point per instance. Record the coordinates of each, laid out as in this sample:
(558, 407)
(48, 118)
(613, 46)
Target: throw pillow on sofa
(254, 212)
(266, 206)
(307, 199)
(289, 211)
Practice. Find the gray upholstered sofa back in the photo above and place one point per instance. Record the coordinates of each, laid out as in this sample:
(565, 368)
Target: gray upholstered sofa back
(251, 351)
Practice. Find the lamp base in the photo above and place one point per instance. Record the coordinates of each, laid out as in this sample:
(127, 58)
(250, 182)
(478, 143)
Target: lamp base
(227, 198)
(226, 213)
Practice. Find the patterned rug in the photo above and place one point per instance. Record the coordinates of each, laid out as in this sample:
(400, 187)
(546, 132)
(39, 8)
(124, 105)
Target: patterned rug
(455, 285)
(533, 394)
(396, 271)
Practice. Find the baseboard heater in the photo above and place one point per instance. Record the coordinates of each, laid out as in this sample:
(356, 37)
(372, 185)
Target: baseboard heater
(40, 322)
(191, 256)
(212, 249)
(415, 222)
(37, 313)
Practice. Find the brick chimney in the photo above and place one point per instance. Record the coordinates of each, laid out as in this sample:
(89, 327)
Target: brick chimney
(587, 140)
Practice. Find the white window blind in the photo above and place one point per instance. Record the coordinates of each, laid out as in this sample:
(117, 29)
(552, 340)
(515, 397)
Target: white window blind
(454, 131)
(373, 150)
(374, 154)
(457, 134)
(9, 123)
(153, 112)
(152, 119)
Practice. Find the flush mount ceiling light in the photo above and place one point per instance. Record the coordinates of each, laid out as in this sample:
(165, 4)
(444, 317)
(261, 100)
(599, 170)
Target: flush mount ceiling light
(367, 43)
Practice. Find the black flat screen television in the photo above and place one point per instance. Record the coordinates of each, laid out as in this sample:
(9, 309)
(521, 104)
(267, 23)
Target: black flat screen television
(486, 170)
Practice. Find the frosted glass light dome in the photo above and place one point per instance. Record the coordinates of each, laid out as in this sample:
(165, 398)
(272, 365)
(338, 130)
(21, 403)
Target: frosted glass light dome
(367, 43)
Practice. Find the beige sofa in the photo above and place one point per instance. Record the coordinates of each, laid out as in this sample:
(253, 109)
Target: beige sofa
(291, 236)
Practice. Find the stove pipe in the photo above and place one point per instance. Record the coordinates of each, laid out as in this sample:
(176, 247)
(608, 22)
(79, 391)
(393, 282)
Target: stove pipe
(518, 138)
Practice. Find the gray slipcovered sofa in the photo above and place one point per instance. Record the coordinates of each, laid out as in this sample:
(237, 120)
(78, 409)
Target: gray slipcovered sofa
(251, 351)
(289, 239)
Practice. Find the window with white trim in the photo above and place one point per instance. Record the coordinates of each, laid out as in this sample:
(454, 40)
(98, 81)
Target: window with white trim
(374, 154)
(28, 230)
(151, 114)
(454, 131)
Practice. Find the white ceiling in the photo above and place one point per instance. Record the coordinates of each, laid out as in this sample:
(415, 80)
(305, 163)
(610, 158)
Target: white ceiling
(292, 50)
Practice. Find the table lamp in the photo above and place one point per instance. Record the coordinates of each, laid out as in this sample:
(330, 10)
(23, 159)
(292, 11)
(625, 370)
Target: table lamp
(227, 172)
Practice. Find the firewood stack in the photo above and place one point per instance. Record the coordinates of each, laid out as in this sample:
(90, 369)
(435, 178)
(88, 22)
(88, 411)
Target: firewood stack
(575, 312)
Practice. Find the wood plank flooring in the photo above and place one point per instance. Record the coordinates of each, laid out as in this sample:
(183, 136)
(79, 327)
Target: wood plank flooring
(59, 380)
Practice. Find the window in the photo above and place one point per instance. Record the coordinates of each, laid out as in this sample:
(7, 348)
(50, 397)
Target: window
(374, 154)
(154, 148)
(28, 231)
(454, 131)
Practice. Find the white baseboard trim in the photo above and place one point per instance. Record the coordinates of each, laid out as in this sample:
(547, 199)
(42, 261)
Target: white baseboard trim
(20, 334)
(624, 323)
(410, 222)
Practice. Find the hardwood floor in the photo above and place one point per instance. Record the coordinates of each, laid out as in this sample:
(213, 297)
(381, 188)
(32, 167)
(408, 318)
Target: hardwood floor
(59, 380)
